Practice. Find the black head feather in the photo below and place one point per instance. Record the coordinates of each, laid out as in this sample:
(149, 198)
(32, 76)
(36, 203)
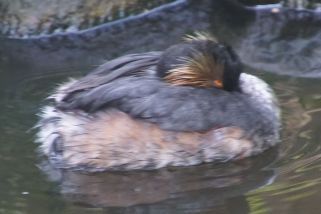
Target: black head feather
(208, 59)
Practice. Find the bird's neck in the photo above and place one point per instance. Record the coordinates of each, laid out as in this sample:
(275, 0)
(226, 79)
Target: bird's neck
(260, 93)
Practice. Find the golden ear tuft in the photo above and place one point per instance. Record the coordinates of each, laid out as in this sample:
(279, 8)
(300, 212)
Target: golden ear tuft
(199, 71)
(200, 36)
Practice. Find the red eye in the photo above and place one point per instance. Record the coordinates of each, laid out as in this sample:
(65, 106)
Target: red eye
(218, 83)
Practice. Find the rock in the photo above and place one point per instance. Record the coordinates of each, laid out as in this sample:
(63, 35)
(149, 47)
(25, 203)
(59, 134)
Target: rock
(27, 18)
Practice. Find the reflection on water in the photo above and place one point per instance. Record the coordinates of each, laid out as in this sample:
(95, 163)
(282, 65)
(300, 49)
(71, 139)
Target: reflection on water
(297, 186)
(197, 187)
(283, 180)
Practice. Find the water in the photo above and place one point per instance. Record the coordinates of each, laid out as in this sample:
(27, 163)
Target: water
(286, 179)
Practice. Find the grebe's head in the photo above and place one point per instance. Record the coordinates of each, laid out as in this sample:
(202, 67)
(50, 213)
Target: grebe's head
(201, 61)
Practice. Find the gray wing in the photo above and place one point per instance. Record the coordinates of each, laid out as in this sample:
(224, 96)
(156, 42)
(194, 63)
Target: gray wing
(175, 108)
(131, 64)
(123, 84)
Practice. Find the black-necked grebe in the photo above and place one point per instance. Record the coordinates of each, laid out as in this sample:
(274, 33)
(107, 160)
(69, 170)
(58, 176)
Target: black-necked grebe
(187, 105)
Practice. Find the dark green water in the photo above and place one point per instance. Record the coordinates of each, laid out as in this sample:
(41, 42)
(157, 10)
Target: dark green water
(286, 179)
